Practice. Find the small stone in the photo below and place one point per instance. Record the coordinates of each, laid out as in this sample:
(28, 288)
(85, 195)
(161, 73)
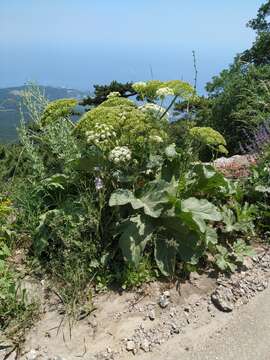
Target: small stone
(172, 312)
(152, 315)
(167, 294)
(131, 346)
(32, 355)
(194, 276)
(175, 329)
(163, 301)
(223, 299)
(93, 323)
(145, 345)
(248, 263)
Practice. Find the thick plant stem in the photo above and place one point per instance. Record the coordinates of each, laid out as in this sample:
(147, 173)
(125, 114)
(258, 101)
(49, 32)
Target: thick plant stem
(169, 107)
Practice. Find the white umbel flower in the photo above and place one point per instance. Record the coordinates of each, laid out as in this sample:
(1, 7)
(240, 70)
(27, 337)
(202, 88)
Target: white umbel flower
(101, 134)
(153, 109)
(120, 154)
(139, 86)
(156, 139)
(113, 94)
(165, 91)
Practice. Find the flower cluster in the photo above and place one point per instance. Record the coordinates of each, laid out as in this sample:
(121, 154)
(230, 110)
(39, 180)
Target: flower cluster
(153, 109)
(113, 94)
(98, 183)
(210, 137)
(120, 154)
(164, 91)
(101, 134)
(139, 86)
(156, 139)
(58, 109)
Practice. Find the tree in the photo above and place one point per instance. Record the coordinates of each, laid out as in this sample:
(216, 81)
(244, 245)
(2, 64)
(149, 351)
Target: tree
(102, 91)
(259, 53)
(240, 101)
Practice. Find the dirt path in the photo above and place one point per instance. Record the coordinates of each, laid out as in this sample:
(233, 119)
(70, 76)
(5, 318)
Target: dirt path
(241, 335)
(201, 319)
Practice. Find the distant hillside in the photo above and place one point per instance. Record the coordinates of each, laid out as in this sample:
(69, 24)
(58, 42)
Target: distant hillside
(9, 107)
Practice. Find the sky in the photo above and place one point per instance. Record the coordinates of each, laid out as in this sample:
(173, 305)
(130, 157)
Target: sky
(78, 43)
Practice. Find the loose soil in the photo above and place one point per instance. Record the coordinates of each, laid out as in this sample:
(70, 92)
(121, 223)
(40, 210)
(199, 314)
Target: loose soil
(155, 322)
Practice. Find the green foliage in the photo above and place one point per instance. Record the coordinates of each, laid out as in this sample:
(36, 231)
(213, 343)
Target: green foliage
(15, 312)
(258, 192)
(111, 198)
(117, 101)
(239, 102)
(132, 126)
(150, 89)
(259, 53)
(228, 259)
(177, 225)
(101, 92)
(58, 109)
(133, 277)
(210, 137)
(239, 218)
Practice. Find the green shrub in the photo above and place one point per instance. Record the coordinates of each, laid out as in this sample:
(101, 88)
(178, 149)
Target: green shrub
(132, 126)
(15, 312)
(112, 200)
(58, 109)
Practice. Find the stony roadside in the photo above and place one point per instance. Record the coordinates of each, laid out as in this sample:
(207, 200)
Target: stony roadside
(142, 323)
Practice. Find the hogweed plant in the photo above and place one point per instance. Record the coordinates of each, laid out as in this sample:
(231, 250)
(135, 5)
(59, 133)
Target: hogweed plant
(110, 189)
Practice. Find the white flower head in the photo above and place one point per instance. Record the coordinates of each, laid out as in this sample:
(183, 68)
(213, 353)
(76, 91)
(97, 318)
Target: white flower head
(139, 86)
(156, 139)
(113, 94)
(101, 134)
(154, 110)
(120, 154)
(165, 91)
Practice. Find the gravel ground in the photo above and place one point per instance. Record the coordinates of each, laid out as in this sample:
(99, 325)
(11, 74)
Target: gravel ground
(205, 318)
(245, 336)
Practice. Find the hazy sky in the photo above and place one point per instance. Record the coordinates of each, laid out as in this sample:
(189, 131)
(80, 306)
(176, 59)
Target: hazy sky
(77, 43)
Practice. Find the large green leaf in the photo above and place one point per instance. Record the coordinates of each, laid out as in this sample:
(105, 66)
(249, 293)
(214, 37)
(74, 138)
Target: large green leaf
(43, 232)
(211, 236)
(135, 233)
(193, 222)
(165, 255)
(208, 178)
(201, 208)
(187, 237)
(122, 197)
(88, 161)
(152, 199)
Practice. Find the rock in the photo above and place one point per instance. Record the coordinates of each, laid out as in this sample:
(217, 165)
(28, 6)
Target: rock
(152, 315)
(194, 276)
(248, 263)
(4, 354)
(175, 329)
(145, 345)
(222, 298)
(131, 346)
(163, 301)
(93, 323)
(32, 355)
(167, 294)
